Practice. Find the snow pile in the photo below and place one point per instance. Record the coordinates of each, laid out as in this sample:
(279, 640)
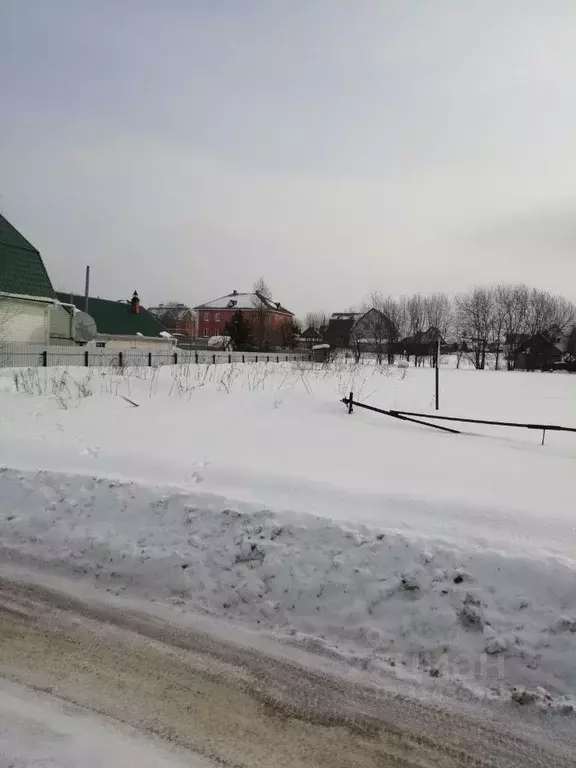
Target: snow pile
(249, 493)
(376, 597)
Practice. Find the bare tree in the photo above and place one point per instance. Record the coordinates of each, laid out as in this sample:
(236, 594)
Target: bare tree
(416, 311)
(316, 320)
(512, 308)
(438, 310)
(261, 288)
(549, 314)
(475, 320)
(261, 316)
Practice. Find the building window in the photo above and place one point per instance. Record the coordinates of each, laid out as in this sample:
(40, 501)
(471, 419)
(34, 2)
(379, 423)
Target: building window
(206, 316)
(217, 318)
(205, 333)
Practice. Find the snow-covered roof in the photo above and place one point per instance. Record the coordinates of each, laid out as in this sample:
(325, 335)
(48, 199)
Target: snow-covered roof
(236, 300)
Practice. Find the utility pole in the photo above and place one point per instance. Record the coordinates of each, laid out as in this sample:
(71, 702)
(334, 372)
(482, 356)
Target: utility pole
(87, 290)
(438, 376)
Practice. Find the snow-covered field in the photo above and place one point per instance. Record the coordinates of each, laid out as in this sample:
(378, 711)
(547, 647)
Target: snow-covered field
(250, 494)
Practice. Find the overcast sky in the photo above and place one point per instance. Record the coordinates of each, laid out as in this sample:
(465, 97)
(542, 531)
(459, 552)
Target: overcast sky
(183, 148)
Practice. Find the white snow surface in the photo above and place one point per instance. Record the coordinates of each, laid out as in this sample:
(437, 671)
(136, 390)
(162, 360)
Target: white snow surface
(250, 494)
(38, 730)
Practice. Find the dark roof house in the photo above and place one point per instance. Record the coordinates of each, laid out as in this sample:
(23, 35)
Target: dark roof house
(22, 271)
(538, 353)
(339, 329)
(117, 318)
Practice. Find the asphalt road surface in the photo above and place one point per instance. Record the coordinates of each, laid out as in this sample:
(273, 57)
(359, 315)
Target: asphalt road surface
(240, 706)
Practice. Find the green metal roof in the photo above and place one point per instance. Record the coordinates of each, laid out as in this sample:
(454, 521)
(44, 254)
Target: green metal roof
(115, 317)
(22, 270)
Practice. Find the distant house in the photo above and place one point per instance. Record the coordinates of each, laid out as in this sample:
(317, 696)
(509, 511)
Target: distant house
(339, 329)
(424, 340)
(369, 331)
(29, 309)
(372, 331)
(538, 353)
(122, 324)
(310, 337)
(258, 310)
(178, 319)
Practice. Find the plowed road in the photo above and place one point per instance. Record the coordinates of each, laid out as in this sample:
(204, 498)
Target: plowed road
(239, 706)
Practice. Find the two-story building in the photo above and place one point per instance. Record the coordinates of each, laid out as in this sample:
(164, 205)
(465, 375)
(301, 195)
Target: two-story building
(213, 316)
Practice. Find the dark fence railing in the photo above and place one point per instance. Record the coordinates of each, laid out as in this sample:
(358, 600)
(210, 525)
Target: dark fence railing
(416, 417)
(37, 355)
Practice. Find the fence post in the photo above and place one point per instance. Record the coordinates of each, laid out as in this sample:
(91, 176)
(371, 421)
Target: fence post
(175, 358)
(44, 359)
(286, 358)
(229, 358)
(149, 359)
(214, 359)
(268, 359)
(277, 358)
(350, 409)
(196, 357)
(543, 436)
(243, 359)
(86, 358)
(120, 359)
(256, 360)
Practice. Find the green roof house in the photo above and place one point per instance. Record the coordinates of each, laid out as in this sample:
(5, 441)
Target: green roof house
(121, 324)
(29, 309)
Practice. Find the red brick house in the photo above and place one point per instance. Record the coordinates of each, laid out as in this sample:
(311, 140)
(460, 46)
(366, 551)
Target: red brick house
(214, 315)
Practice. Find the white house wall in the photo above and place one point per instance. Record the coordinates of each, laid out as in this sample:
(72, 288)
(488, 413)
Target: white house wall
(23, 322)
(61, 325)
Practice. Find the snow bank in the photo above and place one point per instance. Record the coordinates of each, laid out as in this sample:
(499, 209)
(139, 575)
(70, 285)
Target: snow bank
(249, 493)
(378, 598)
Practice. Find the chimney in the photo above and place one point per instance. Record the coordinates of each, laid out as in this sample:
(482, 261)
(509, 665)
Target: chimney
(135, 302)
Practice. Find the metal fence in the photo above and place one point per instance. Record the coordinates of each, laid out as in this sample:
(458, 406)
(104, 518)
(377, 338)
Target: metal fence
(37, 355)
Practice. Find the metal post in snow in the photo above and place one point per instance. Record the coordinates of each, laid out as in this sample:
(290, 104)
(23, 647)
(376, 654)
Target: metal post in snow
(543, 436)
(175, 358)
(438, 377)
(214, 359)
(120, 359)
(149, 359)
(86, 358)
(196, 357)
(350, 402)
(229, 358)
(243, 359)
(44, 358)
